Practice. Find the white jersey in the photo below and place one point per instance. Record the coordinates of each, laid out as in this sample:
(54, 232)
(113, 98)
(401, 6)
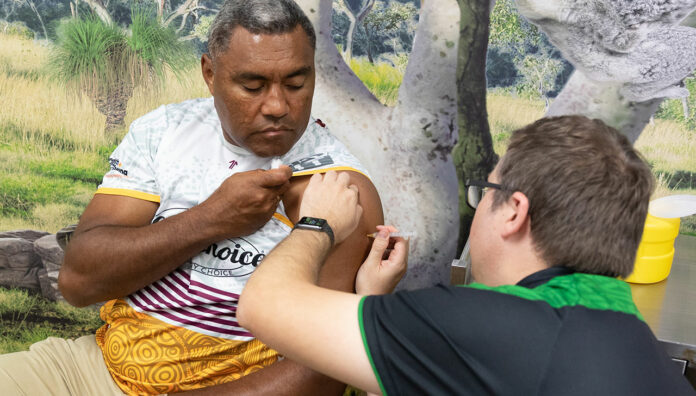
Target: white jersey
(177, 156)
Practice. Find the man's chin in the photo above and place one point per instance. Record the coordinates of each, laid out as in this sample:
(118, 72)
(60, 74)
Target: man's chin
(275, 147)
(270, 150)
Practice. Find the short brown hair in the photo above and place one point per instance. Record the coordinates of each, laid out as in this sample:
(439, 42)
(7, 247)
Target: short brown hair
(588, 192)
(258, 17)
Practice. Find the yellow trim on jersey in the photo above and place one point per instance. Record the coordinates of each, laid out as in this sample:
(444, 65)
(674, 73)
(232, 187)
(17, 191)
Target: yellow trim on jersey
(324, 170)
(283, 219)
(128, 193)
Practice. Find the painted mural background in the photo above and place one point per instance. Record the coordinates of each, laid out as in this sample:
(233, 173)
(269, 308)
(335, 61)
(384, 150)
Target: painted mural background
(57, 130)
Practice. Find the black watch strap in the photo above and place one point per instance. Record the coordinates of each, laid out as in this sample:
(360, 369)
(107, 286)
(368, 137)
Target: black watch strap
(315, 224)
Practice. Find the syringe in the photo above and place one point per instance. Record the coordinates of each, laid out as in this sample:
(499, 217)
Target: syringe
(404, 235)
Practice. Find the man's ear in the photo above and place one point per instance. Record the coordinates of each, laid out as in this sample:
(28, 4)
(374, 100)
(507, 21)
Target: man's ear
(208, 70)
(516, 214)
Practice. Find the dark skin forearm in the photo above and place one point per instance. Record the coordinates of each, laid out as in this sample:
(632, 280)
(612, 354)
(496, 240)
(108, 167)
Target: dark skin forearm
(116, 251)
(111, 261)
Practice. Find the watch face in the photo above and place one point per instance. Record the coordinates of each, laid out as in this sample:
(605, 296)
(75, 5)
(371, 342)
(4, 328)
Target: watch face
(312, 221)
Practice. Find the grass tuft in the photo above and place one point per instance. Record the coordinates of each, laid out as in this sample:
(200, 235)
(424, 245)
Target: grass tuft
(26, 318)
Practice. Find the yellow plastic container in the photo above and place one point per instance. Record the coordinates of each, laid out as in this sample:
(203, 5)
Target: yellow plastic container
(656, 250)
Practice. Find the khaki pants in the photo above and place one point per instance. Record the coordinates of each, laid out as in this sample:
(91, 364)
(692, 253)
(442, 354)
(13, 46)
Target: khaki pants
(57, 367)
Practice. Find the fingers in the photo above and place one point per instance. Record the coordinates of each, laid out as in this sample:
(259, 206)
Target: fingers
(275, 177)
(316, 179)
(358, 214)
(399, 254)
(389, 228)
(331, 197)
(384, 267)
(343, 179)
(379, 247)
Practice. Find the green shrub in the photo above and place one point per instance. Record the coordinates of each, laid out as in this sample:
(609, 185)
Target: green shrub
(16, 28)
(673, 109)
(688, 225)
(19, 194)
(61, 169)
(107, 62)
(27, 138)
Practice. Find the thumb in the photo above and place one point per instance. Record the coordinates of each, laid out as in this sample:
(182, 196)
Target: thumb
(379, 246)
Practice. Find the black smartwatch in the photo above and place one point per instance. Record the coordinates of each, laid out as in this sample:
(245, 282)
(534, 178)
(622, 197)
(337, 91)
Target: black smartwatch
(315, 224)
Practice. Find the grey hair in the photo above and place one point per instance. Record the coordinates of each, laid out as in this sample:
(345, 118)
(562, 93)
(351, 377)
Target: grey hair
(258, 17)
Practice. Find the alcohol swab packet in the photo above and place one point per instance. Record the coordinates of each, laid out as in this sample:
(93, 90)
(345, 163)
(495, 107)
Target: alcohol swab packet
(404, 235)
(276, 162)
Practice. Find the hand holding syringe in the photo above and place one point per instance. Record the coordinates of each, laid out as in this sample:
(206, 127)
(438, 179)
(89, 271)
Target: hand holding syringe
(386, 262)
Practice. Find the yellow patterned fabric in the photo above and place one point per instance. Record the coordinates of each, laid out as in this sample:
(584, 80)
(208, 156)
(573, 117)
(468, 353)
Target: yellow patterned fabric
(147, 356)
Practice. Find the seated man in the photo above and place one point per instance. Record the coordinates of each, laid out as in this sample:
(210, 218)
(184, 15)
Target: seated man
(560, 220)
(187, 212)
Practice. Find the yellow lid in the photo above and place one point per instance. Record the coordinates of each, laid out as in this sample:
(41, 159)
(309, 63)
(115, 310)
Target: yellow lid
(656, 250)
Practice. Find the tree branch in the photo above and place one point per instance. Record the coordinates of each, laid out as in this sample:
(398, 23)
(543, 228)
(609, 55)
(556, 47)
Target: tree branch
(33, 7)
(184, 9)
(100, 10)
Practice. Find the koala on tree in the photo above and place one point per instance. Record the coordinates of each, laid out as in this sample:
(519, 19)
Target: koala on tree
(634, 43)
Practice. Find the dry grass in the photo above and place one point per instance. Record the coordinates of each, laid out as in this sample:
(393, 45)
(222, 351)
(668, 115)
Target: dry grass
(668, 146)
(32, 101)
(21, 54)
(144, 101)
(506, 113)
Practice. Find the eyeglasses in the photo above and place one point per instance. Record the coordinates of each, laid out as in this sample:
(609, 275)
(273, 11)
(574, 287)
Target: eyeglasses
(475, 189)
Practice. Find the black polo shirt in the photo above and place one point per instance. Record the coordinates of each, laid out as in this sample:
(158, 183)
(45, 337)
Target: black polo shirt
(554, 333)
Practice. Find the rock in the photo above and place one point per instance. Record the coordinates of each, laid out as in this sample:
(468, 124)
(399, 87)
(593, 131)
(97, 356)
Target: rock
(26, 278)
(29, 235)
(19, 263)
(50, 252)
(18, 253)
(64, 234)
(52, 258)
(48, 281)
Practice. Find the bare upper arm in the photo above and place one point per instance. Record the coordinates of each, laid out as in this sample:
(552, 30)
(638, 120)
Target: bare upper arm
(116, 210)
(344, 260)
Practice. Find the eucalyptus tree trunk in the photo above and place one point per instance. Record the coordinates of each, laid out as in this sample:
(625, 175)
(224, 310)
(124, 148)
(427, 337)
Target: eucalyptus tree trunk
(355, 19)
(473, 155)
(406, 148)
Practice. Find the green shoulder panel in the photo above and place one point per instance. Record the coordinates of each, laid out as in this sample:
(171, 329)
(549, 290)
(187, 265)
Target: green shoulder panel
(589, 291)
(367, 346)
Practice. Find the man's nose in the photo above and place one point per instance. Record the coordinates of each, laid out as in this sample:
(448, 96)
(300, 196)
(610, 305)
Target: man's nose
(275, 103)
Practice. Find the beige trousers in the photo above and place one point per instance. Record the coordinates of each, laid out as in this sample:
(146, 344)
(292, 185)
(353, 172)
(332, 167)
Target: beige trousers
(57, 367)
